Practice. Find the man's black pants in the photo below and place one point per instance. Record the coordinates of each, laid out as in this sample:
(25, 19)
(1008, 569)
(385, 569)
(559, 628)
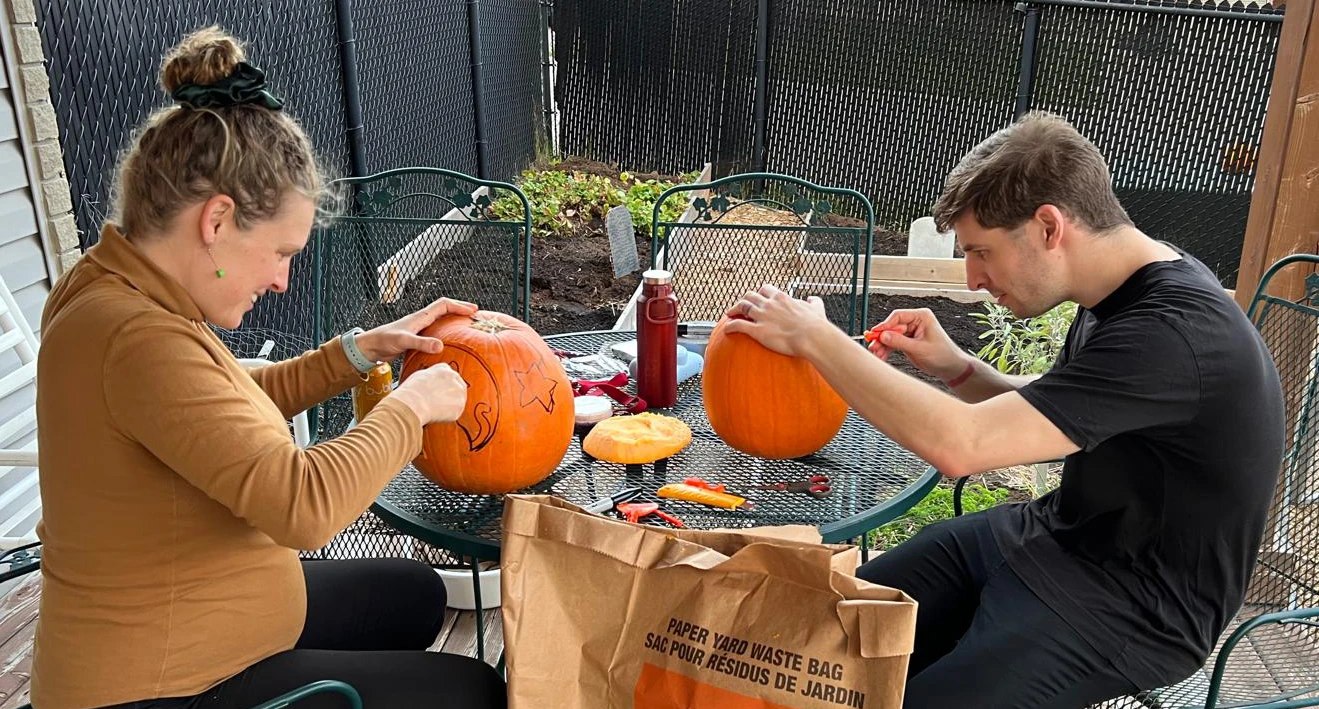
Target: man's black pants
(983, 639)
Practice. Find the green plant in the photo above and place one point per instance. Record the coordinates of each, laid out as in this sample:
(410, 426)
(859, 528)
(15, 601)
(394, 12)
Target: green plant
(1023, 346)
(936, 506)
(560, 199)
(641, 196)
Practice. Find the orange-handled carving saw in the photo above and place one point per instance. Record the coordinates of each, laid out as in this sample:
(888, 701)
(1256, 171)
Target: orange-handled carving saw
(691, 493)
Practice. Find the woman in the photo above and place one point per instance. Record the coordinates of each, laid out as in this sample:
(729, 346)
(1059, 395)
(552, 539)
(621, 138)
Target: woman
(173, 497)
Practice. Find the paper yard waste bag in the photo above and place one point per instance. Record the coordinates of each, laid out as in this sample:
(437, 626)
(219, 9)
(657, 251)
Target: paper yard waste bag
(602, 613)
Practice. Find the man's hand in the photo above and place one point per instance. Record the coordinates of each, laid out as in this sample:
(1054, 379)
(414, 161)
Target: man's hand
(777, 321)
(391, 340)
(918, 335)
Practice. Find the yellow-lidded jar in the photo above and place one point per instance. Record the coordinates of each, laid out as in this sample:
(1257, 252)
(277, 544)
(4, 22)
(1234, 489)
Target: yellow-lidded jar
(374, 387)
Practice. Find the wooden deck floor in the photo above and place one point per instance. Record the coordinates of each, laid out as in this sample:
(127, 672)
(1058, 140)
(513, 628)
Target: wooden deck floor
(18, 615)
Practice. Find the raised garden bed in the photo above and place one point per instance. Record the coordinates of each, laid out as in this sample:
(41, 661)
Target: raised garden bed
(573, 286)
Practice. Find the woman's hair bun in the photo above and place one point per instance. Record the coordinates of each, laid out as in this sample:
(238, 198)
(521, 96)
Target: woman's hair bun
(201, 58)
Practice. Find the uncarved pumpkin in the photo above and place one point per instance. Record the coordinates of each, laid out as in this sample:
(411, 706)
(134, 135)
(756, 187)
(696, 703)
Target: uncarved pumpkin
(764, 403)
(518, 422)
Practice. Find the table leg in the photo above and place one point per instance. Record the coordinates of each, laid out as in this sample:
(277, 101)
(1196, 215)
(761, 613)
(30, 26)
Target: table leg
(480, 609)
(634, 473)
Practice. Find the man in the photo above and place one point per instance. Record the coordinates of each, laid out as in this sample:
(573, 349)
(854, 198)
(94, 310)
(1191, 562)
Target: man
(1164, 400)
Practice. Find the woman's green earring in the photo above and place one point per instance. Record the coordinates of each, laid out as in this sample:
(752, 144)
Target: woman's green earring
(219, 272)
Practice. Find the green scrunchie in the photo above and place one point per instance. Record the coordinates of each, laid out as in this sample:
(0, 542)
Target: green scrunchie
(247, 84)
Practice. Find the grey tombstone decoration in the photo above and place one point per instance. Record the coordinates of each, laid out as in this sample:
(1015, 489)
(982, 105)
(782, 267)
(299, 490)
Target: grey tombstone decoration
(622, 241)
(925, 240)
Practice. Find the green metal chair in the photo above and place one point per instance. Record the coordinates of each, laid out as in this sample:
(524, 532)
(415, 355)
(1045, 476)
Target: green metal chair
(351, 699)
(20, 561)
(1269, 655)
(409, 236)
(742, 231)
(405, 238)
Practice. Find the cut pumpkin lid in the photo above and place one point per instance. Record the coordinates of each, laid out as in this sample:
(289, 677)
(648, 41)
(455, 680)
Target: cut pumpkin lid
(643, 438)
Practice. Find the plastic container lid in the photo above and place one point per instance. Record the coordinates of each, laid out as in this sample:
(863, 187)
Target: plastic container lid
(592, 409)
(657, 276)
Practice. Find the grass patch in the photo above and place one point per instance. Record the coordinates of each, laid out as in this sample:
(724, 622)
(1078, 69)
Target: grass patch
(936, 506)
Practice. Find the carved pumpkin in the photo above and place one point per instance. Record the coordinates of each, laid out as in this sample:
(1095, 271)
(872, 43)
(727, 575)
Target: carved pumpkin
(764, 403)
(518, 422)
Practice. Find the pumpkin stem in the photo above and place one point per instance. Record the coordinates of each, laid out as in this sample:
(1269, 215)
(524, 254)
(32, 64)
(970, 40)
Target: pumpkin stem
(490, 326)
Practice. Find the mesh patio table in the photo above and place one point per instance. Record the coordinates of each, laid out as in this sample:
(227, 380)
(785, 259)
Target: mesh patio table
(873, 480)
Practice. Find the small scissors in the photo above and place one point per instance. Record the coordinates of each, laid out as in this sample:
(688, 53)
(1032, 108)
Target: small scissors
(634, 511)
(816, 486)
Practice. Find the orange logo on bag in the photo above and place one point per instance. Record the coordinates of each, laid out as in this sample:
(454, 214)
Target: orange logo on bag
(659, 688)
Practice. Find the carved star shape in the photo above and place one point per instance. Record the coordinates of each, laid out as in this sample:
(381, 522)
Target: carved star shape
(534, 386)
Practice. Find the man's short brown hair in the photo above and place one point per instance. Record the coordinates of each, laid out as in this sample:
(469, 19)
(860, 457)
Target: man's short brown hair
(1040, 159)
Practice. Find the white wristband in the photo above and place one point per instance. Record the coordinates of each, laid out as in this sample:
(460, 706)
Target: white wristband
(355, 355)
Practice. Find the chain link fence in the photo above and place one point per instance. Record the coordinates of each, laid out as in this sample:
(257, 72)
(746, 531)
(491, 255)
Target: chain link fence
(416, 79)
(885, 96)
(104, 59)
(1176, 103)
(656, 86)
(510, 37)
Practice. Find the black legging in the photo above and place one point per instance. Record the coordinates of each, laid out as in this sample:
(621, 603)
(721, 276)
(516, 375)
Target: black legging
(368, 624)
(983, 639)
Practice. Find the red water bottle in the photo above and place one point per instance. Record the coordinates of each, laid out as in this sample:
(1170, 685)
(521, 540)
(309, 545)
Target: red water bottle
(657, 340)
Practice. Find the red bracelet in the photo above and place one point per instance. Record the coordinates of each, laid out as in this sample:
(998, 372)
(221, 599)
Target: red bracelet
(966, 374)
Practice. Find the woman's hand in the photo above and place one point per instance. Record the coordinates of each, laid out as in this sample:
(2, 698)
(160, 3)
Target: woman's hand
(384, 343)
(436, 394)
(777, 321)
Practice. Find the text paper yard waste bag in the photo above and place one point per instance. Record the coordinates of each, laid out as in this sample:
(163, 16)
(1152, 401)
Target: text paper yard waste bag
(603, 613)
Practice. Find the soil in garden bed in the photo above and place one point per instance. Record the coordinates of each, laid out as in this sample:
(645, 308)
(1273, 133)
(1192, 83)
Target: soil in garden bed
(595, 167)
(572, 281)
(572, 277)
(884, 242)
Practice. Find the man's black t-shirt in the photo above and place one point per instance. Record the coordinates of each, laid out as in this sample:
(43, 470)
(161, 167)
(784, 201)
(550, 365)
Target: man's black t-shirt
(1148, 543)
